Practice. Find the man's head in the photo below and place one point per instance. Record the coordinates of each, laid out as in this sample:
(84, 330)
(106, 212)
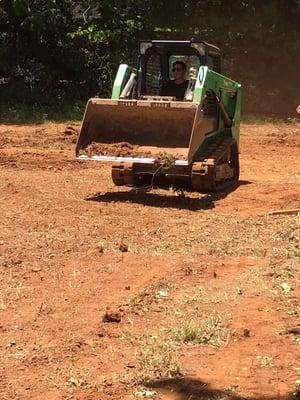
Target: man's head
(178, 70)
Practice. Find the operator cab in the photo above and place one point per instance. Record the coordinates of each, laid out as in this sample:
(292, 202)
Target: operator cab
(156, 61)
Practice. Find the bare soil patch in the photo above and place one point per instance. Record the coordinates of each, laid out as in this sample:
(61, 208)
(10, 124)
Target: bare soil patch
(204, 300)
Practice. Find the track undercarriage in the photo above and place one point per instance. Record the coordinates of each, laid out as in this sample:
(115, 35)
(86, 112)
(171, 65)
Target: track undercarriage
(216, 169)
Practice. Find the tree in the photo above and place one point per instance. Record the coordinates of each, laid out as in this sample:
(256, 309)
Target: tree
(68, 50)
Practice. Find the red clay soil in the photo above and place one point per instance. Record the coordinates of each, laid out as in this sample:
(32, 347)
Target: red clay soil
(77, 313)
(125, 149)
(122, 149)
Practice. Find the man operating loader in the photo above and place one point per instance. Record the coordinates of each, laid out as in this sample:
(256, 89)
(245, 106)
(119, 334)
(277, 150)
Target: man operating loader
(135, 129)
(177, 87)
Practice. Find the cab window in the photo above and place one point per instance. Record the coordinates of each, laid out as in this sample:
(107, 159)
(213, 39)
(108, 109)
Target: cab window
(153, 75)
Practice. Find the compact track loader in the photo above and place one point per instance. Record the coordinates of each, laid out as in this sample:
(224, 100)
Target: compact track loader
(154, 140)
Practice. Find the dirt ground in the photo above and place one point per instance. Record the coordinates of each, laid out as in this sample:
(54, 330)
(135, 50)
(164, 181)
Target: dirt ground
(204, 289)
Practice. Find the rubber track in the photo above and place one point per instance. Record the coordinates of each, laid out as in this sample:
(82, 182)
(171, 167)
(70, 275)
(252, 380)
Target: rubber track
(204, 170)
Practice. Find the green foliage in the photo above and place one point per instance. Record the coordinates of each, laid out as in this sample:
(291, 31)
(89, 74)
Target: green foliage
(69, 50)
(38, 113)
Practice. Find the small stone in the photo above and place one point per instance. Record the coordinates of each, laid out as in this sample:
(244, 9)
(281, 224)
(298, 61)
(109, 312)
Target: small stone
(123, 247)
(112, 317)
(127, 287)
(294, 331)
(247, 332)
(188, 270)
(163, 293)
(69, 131)
(286, 288)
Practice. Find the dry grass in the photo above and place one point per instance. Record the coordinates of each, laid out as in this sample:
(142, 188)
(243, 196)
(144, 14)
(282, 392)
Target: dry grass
(57, 250)
(157, 358)
(208, 331)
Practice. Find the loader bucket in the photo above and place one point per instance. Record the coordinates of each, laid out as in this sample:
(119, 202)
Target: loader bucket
(157, 126)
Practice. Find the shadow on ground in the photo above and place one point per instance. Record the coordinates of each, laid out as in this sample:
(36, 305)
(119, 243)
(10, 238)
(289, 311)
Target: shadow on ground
(185, 201)
(194, 389)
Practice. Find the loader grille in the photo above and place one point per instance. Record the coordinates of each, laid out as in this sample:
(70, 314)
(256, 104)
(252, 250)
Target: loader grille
(210, 106)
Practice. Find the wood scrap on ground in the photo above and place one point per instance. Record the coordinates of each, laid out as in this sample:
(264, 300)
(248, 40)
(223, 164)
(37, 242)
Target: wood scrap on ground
(285, 212)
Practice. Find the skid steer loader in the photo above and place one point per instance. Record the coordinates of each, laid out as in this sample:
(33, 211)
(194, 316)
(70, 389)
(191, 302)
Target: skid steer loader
(157, 141)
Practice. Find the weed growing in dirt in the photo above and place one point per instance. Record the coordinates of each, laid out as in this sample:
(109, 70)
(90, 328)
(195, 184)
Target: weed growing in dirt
(265, 361)
(76, 378)
(143, 392)
(217, 397)
(289, 232)
(199, 294)
(166, 160)
(157, 358)
(209, 331)
(294, 310)
(77, 383)
(297, 384)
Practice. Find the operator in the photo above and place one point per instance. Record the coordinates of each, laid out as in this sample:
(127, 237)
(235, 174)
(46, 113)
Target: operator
(177, 87)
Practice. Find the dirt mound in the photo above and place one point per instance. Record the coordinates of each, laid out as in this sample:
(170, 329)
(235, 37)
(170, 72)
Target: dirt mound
(122, 149)
(125, 149)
